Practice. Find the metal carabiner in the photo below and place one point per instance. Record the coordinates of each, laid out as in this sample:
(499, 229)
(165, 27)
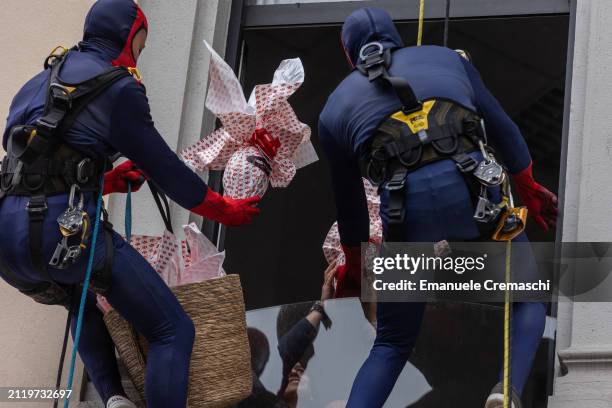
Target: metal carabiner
(71, 197)
(484, 152)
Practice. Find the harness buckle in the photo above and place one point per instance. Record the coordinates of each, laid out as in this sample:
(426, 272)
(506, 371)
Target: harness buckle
(64, 96)
(417, 108)
(397, 181)
(465, 163)
(374, 61)
(46, 126)
(37, 206)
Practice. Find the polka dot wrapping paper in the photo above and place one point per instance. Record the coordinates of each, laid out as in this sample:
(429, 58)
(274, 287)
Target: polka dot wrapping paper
(332, 248)
(191, 260)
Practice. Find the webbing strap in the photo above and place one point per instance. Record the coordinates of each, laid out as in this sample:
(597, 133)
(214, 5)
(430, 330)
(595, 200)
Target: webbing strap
(376, 61)
(87, 91)
(37, 209)
(63, 103)
(395, 206)
(396, 195)
(398, 147)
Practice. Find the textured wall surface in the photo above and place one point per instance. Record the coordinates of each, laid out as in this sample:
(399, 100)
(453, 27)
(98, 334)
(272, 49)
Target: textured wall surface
(31, 336)
(585, 329)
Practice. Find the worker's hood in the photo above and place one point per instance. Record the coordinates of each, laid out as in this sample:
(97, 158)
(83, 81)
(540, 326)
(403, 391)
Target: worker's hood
(110, 27)
(367, 25)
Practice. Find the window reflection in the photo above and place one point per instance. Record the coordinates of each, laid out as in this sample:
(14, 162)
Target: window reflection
(300, 364)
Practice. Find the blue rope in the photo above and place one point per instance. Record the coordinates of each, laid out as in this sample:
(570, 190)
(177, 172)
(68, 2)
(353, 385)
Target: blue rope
(92, 250)
(128, 214)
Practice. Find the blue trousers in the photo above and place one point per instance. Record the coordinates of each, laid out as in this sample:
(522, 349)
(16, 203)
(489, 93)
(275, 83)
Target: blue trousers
(438, 206)
(137, 293)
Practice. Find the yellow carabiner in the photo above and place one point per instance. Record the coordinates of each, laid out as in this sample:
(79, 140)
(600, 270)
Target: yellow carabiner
(59, 47)
(135, 73)
(54, 55)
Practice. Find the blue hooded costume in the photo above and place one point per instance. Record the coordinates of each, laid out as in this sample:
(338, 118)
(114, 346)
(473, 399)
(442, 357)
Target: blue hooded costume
(118, 120)
(438, 205)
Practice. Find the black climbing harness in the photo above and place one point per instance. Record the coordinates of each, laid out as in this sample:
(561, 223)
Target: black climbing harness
(40, 164)
(420, 133)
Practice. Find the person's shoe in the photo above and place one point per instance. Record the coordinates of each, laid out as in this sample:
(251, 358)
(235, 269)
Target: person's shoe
(119, 401)
(496, 398)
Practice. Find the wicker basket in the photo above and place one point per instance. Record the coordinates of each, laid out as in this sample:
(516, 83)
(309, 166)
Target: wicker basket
(220, 371)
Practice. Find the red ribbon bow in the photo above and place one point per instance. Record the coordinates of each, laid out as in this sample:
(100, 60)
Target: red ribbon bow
(267, 143)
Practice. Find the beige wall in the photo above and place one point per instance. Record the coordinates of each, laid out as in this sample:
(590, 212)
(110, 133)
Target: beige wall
(29, 29)
(30, 338)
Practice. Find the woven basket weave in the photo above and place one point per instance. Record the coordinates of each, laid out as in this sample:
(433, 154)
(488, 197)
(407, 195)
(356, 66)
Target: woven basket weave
(220, 371)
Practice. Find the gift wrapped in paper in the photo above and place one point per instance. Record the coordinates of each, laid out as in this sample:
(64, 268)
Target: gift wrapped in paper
(261, 141)
(332, 248)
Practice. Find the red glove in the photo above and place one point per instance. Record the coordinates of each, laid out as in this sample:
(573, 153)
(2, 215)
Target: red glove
(541, 203)
(348, 278)
(116, 180)
(226, 210)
